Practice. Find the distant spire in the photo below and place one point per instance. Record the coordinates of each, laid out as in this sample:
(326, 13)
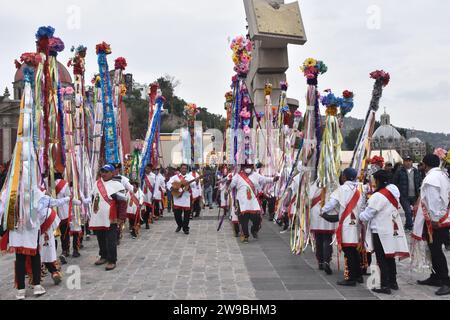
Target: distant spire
(6, 94)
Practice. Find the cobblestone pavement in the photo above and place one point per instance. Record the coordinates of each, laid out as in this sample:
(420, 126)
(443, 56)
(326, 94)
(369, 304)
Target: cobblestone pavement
(163, 265)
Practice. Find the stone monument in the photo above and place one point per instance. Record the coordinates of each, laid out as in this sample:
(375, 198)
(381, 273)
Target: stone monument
(272, 26)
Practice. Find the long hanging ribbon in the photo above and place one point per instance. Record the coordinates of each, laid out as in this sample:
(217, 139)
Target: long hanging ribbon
(148, 150)
(110, 132)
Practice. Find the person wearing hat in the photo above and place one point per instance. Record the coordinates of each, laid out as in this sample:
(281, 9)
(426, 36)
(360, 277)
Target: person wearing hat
(408, 180)
(432, 221)
(385, 234)
(105, 219)
(343, 207)
(247, 183)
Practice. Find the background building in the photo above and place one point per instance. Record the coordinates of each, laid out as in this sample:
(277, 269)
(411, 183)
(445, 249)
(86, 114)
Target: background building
(387, 137)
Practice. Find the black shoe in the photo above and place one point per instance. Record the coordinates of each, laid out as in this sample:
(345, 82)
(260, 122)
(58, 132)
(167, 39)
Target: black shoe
(394, 286)
(347, 283)
(147, 227)
(360, 280)
(178, 229)
(327, 268)
(186, 232)
(430, 282)
(321, 267)
(63, 260)
(383, 290)
(245, 240)
(279, 222)
(76, 254)
(255, 235)
(443, 291)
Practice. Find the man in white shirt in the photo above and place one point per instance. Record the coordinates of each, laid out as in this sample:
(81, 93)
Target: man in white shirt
(432, 221)
(247, 183)
(182, 206)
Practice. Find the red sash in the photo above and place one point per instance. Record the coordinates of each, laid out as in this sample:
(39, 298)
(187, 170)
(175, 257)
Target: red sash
(136, 202)
(385, 192)
(183, 180)
(48, 222)
(252, 187)
(348, 210)
(61, 184)
(316, 201)
(112, 204)
(148, 185)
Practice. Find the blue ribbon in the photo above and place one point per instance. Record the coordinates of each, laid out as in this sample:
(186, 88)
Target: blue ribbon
(148, 150)
(61, 123)
(111, 146)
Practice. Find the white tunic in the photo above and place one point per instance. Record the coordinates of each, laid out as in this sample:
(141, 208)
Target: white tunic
(434, 196)
(196, 187)
(223, 194)
(318, 224)
(149, 187)
(380, 215)
(48, 247)
(101, 220)
(183, 202)
(246, 197)
(132, 207)
(25, 239)
(160, 187)
(63, 212)
(339, 201)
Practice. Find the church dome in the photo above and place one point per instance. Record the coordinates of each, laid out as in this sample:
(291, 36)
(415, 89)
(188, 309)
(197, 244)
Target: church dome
(414, 140)
(64, 75)
(387, 132)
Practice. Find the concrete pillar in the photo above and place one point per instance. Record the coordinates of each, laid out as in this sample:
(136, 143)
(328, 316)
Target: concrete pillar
(272, 26)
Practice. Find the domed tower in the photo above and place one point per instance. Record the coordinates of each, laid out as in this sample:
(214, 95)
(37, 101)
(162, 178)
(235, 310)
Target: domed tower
(18, 84)
(386, 137)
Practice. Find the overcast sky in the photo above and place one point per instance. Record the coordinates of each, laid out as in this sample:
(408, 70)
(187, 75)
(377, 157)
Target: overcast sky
(189, 40)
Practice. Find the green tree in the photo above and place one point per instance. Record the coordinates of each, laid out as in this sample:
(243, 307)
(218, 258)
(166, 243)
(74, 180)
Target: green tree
(351, 138)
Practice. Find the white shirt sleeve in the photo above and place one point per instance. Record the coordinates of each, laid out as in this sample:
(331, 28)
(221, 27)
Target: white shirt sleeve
(368, 214)
(432, 199)
(330, 205)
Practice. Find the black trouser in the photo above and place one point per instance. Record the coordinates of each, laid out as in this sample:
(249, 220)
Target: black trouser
(107, 242)
(182, 217)
(65, 238)
(324, 249)
(21, 270)
(51, 267)
(157, 208)
(263, 201)
(244, 220)
(440, 268)
(353, 263)
(147, 214)
(132, 224)
(388, 268)
(196, 207)
(271, 206)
